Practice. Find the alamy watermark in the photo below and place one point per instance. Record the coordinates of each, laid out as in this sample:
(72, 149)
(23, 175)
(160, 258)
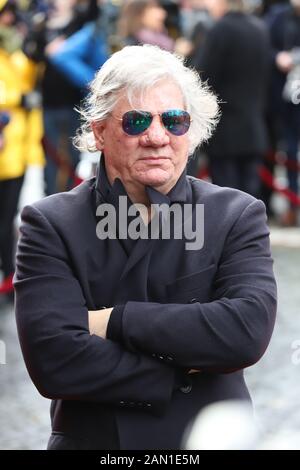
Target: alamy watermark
(295, 91)
(177, 222)
(2, 353)
(296, 354)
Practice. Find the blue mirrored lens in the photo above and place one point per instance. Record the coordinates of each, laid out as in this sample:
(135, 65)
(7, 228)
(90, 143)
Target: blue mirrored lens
(136, 122)
(176, 121)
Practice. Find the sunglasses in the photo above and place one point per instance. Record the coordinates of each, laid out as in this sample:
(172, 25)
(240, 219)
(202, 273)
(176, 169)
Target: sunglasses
(175, 121)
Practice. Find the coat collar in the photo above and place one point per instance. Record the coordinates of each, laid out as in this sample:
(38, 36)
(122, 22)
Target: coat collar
(139, 250)
(111, 193)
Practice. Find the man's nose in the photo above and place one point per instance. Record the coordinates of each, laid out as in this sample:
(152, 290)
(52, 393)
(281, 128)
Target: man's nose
(156, 134)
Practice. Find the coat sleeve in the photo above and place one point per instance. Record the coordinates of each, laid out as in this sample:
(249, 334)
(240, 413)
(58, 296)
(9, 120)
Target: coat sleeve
(63, 359)
(230, 332)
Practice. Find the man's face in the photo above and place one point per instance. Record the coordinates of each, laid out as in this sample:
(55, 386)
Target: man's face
(154, 158)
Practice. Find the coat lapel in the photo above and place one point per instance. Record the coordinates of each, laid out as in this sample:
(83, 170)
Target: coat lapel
(138, 251)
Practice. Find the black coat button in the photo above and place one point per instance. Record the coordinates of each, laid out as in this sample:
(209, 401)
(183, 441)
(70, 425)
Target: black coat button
(186, 388)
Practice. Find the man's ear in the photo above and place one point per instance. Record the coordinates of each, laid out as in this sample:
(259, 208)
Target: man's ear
(98, 130)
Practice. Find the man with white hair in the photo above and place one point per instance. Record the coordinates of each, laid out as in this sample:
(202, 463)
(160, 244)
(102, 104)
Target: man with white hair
(132, 324)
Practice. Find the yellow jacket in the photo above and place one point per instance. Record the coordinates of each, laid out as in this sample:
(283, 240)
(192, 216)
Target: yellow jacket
(23, 134)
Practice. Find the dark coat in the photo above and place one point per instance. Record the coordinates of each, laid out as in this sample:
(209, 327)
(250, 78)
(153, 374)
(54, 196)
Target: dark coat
(236, 59)
(284, 26)
(211, 309)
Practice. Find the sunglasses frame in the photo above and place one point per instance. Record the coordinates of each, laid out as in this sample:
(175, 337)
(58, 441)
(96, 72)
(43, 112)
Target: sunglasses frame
(147, 113)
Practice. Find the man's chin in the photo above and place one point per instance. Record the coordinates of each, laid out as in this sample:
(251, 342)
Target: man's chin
(155, 178)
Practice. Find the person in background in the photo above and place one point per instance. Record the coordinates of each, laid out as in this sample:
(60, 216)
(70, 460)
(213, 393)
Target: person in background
(46, 35)
(284, 27)
(82, 54)
(195, 19)
(143, 22)
(235, 58)
(199, 21)
(21, 133)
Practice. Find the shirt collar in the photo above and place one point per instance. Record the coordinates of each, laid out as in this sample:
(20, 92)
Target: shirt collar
(111, 192)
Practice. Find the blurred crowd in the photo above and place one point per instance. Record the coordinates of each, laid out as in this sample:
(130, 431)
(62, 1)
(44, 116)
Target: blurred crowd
(247, 50)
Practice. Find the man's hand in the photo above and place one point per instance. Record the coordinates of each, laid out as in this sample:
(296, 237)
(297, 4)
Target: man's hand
(98, 320)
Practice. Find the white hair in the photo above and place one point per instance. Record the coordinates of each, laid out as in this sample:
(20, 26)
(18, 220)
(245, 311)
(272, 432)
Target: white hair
(134, 70)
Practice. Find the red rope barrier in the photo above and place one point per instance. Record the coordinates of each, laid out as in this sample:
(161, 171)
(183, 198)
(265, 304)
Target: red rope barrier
(265, 175)
(203, 173)
(279, 159)
(268, 179)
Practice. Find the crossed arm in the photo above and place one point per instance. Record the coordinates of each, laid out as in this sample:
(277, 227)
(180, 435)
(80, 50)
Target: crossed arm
(98, 322)
(228, 333)
(64, 347)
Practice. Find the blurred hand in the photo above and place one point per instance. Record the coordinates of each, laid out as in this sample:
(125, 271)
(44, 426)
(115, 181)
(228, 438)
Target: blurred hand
(284, 61)
(194, 371)
(54, 46)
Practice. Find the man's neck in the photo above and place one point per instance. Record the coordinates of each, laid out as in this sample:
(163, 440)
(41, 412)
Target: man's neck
(137, 194)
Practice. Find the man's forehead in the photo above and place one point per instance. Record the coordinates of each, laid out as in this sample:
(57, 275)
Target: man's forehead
(151, 97)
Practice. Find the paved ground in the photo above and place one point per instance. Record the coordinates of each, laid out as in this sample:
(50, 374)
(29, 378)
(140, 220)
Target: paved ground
(24, 420)
(274, 381)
